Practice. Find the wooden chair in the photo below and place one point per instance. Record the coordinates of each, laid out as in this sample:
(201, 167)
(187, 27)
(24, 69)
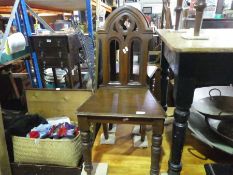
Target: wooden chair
(123, 96)
(123, 53)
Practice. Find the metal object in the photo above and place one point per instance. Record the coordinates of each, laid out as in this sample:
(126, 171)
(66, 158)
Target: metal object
(88, 48)
(202, 132)
(21, 28)
(40, 19)
(213, 125)
(217, 107)
(29, 33)
(199, 6)
(89, 18)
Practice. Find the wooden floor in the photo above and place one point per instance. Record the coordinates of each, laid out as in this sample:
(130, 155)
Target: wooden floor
(123, 158)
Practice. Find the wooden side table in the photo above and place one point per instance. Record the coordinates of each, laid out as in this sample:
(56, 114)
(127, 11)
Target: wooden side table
(122, 105)
(195, 63)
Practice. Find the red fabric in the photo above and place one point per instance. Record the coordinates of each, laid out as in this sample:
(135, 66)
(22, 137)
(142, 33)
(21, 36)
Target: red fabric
(62, 131)
(34, 134)
(76, 132)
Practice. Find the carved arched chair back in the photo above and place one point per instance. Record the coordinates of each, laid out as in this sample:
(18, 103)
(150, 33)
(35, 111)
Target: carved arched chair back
(122, 47)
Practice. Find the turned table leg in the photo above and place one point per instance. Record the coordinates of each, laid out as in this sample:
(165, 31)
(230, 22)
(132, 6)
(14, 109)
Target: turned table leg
(143, 132)
(86, 144)
(184, 90)
(156, 149)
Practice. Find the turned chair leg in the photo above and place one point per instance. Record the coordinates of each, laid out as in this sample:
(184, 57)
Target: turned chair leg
(110, 126)
(105, 129)
(143, 132)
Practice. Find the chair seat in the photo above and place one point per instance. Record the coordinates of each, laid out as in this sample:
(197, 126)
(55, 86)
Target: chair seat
(133, 103)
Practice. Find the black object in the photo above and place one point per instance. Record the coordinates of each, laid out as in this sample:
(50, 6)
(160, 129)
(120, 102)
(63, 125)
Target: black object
(19, 125)
(226, 128)
(191, 70)
(58, 50)
(35, 169)
(218, 108)
(207, 135)
(218, 169)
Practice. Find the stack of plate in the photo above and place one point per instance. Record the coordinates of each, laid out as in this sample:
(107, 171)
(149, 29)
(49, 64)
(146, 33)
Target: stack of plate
(207, 129)
(49, 78)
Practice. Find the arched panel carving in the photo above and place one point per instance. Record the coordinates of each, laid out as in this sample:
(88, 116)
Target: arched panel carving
(125, 25)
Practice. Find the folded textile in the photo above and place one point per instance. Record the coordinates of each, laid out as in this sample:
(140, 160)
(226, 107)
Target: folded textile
(42, 129)
(62, 130)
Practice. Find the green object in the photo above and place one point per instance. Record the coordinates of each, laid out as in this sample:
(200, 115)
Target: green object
(6, 58)
(218, 16)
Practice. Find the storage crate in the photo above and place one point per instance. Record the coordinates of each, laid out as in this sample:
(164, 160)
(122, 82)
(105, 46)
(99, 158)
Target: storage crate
(50, 103)
(66, 152)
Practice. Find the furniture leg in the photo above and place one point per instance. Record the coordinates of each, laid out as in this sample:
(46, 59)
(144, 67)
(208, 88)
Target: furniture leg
(155, 151)
(71, 82)
(184, 90)
(105, 129)
(80, 75)
(55, 77)
(110, 126)
(86, 144)
(42, 74)
(164, 79)
(178, 10)
(143, 132)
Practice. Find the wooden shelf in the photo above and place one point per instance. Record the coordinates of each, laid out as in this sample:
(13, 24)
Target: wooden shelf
(53, 5)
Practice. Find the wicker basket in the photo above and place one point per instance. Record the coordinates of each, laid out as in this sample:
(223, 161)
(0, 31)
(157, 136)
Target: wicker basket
(65, 152)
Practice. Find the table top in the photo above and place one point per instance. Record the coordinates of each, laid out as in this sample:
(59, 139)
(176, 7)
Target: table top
(122, 102)
(219, 40)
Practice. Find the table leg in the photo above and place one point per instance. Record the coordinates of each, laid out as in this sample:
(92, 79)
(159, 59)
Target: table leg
(164, 80)
(156, 150)
(86, 144)
(184, 90)
(105, 130)
(143, 132)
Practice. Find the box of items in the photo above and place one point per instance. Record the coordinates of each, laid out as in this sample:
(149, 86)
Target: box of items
(49, 103)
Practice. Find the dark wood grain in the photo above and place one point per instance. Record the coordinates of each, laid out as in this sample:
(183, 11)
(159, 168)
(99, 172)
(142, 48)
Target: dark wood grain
(122, 102)
(123, 97)
(122, 105)
(138, 30)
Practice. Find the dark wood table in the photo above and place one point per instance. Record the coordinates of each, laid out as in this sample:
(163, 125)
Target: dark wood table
(195, 63)
(122, 105)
